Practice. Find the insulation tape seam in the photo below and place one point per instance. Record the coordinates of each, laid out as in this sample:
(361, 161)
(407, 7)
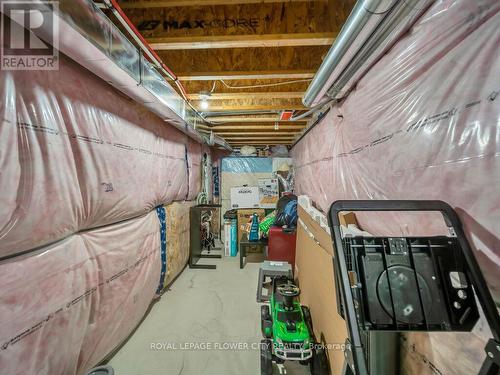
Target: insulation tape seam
(416, 125)
(186, 158)
(43, 246)
(69, 304)
(88, 139)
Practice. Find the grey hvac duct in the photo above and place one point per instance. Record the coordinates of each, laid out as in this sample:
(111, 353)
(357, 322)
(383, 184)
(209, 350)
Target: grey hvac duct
(372, 27)
(88, 37)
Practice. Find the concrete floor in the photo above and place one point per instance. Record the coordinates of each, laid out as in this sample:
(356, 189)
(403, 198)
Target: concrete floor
(213, 308)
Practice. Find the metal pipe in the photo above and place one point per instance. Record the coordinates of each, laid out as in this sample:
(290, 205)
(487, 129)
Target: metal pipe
(367, 34)
(396, 20)
(402, 15)
(351, 29)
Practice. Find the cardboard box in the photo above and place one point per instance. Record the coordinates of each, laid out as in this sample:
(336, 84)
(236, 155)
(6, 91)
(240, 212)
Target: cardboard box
(245, 217)
(315, 277)
(268, 192)
(348, 218)
(245, 197)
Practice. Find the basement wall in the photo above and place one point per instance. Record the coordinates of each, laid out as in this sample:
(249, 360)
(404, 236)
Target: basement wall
(423, 123)
(82, 169)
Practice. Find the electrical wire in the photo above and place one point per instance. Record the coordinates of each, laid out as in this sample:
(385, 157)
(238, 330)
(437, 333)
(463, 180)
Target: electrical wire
(264, 85)
(213, 87)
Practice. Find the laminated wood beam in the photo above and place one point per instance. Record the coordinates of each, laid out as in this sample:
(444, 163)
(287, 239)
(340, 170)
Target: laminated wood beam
(242, 41)
(255, 143)
(270, 128)
(263, 134)
(251, 137)
(249, 95)
(247, 119)
(239, 75)
(142, 4)
(257, 107)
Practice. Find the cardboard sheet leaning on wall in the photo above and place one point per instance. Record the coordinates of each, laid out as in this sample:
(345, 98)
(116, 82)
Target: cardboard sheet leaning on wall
(422, 124)
(67, 306)
(76, 154)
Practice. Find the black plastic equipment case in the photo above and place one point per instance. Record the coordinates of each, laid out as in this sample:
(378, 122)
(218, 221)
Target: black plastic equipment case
(409, 283)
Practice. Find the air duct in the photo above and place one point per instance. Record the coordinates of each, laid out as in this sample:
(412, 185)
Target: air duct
(88, 37)
(372, 27)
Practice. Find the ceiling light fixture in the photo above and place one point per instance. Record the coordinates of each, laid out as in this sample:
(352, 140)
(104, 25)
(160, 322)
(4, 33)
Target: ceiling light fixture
(204, 96)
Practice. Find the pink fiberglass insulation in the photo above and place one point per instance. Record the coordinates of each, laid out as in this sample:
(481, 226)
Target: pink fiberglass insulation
(194, 156)
(423, 123)
(76, 154)
(65, 307)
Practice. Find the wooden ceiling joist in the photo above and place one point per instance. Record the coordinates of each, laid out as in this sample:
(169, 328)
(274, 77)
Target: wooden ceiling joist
(251, 107)
(248, 86)
(260, 143)
(249, 95)
(242, 41)
(142, 4)
(237, 75)
(271, 128)
(257, 134)
(262, 140)
(247, 119)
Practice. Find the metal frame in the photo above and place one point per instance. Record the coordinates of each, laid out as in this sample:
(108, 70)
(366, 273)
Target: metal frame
(195, 252)
(356, 362)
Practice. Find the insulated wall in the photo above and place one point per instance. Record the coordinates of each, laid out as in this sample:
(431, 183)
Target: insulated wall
(82, 169)
(423, 123)
(65, 307)
(76, 151)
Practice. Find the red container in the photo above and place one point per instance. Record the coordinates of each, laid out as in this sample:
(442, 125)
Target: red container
(281, 245)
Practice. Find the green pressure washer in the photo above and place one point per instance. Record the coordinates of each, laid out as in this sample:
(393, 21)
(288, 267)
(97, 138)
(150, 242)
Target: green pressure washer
(287, 328)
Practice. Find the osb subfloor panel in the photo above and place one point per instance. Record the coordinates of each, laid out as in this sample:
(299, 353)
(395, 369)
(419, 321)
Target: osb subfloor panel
(202, 307)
